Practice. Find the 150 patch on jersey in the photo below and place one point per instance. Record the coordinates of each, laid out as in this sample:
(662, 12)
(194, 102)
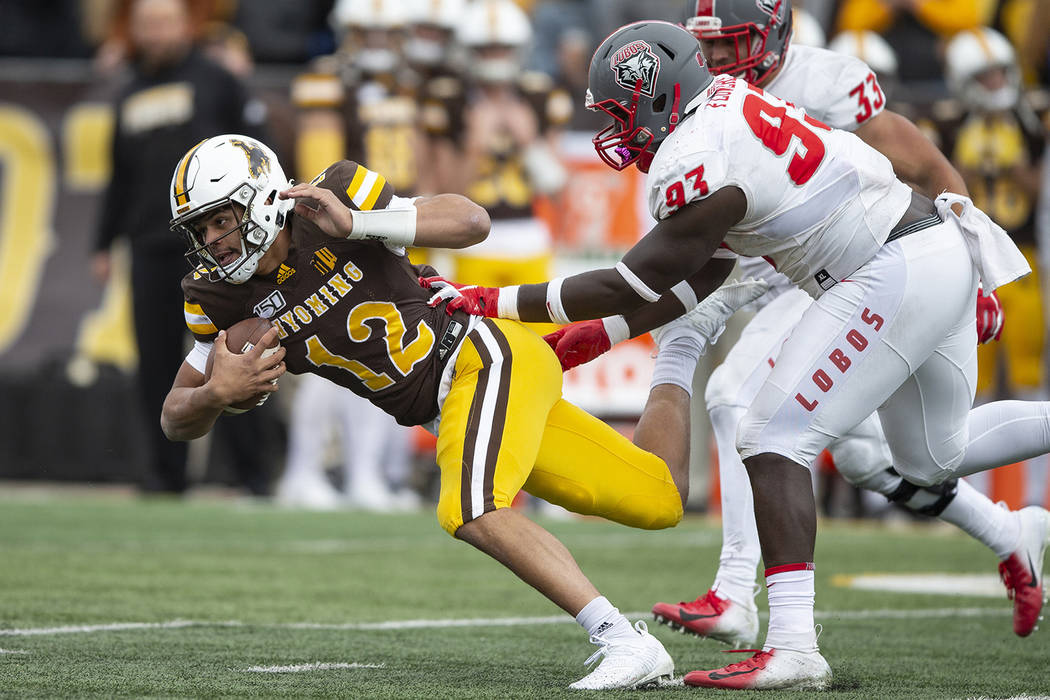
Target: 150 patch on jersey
(268, 307)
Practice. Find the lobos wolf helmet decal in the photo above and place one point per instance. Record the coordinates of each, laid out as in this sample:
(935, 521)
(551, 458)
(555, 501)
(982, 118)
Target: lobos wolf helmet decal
(635, 62)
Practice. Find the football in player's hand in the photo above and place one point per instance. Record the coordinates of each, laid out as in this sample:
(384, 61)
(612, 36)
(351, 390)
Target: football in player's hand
(240, 338)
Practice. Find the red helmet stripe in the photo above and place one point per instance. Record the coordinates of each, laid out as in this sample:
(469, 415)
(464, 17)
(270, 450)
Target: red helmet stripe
(705, 7)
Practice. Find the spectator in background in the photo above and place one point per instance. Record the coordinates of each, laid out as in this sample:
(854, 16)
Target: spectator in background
(285, 31)
(359, 104)
(996, 141)
(174, 98)
(436, 64)
(806, 30)
(511, 120)
(53, 29)
(119, 43)
(575, 47)
(914, 28)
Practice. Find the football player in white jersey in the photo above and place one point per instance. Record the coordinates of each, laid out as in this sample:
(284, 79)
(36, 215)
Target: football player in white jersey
(735, 171)
(745, 39)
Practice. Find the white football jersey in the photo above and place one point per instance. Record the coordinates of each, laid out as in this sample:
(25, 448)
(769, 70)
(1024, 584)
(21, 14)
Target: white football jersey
(839, 90)
(820, 202)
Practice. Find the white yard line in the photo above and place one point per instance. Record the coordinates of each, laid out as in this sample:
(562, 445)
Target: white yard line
(300, 668)
(469, 622)
(13, 651)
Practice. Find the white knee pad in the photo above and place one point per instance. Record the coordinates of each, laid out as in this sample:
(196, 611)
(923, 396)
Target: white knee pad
(862, 453)
(723, 387)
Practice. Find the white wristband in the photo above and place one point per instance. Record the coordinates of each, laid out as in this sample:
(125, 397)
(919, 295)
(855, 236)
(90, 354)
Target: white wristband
(507, 303)
(616, 328)
(396, 226)
(685, 294)
(554, 306)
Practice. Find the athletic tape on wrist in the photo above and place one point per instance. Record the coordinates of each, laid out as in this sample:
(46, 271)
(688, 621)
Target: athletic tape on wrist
(507, 303)
(685, 294)
(397, 226)
(555, 310)
(616, 328)
(640, 287)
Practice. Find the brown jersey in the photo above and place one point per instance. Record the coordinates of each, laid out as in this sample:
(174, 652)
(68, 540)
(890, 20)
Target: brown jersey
(350, 311)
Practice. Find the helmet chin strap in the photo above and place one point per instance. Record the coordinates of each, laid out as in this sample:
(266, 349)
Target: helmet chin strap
(673, 122)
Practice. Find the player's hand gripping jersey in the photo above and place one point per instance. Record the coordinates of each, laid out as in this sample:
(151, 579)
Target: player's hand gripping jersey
(350, 311)
(820, 202)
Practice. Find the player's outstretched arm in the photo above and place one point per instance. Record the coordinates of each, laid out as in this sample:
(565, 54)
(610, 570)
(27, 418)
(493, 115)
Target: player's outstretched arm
(441, 221)
(193, 404)
(914, 157)
(674, 250)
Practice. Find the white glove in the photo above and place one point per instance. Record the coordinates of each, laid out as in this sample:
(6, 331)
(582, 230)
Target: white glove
(708, 318)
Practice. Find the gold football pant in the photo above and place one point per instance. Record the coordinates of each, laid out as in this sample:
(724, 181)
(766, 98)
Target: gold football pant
(504, 427)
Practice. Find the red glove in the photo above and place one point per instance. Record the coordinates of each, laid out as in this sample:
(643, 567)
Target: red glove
(477, 301)
(579, 343)
(990, 317)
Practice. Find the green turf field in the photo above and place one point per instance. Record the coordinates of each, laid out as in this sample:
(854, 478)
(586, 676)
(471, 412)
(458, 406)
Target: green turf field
(107, 596)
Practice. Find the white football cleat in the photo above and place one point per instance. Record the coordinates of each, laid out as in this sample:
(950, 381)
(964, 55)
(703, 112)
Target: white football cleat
(776, 669)
(707, 319)
(312, 492)
(714, 617)
(634, 662)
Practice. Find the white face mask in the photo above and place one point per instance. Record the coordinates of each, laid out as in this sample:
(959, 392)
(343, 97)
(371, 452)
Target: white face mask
(1001, 99)
(375, 60)
(495, 70)
(425, 52)
(1004, 98)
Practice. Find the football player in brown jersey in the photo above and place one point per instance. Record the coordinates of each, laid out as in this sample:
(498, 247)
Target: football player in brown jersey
(331, 273)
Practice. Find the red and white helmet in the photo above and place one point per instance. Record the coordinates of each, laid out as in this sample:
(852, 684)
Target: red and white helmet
(218, 172)
(760, 30)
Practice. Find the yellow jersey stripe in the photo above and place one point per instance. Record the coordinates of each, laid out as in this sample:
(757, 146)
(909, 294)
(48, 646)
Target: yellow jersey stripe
(197, 321)
(373, 194)
(181, 196)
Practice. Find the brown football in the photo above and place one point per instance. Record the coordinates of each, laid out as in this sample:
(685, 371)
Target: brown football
(241, 337)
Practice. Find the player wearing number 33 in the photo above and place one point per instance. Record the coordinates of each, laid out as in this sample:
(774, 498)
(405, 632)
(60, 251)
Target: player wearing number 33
(326, 263)
(894, 276)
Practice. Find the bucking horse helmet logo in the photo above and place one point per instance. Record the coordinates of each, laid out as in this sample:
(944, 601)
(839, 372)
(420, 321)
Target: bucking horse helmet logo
(633, 62)
(258, 161)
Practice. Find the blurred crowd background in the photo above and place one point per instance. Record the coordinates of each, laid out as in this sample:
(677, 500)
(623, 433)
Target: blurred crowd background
(100, 98)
